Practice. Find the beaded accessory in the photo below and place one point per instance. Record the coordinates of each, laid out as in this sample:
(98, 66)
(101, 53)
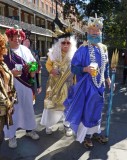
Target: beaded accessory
(103, 63)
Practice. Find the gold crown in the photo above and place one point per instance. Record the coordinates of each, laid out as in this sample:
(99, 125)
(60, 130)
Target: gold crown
(94, 23)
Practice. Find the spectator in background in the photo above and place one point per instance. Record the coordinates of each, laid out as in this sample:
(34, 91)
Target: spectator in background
(37, 53)
(124, 55)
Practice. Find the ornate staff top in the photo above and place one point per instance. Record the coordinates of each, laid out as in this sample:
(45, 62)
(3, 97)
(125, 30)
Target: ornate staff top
(114, 60)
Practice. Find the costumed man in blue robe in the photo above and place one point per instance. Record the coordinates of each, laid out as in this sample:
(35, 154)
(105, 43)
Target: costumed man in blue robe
(85, 101)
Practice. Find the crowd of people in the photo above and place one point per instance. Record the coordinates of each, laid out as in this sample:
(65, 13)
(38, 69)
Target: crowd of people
(75, 87)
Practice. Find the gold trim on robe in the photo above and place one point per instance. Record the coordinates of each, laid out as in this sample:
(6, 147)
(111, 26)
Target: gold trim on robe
(57, 86)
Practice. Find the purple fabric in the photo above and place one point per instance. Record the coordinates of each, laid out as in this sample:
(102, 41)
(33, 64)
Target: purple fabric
(11, 59)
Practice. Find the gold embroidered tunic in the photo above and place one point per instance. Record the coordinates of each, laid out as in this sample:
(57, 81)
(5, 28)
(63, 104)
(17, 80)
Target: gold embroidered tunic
(57, 86)
(7, 93)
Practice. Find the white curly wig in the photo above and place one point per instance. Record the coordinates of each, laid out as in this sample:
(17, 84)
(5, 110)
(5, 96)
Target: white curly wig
(55, 52)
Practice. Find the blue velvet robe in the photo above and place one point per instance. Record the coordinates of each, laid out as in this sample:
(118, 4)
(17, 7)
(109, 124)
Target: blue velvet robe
(85, 101)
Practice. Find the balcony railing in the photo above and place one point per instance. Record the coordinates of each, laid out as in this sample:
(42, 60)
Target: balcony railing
(40, 10)
(35, 7)
(76, 27)
(9, 23)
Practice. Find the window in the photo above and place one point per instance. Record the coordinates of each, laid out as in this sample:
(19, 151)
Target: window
(54, 11)
(30, 1)
(46, 7)
(32, 19)
(11, 11)
(37, 2)
(38, 21)
(59, 14)
(42, 22)
(2, 9)
(50, 9)
(42, 5)
(26, 17)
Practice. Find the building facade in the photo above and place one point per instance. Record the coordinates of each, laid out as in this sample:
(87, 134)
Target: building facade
(36, 16)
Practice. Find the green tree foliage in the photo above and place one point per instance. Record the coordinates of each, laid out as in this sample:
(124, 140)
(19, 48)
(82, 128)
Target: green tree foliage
(121, 23)
(114, 13)
(73, 7)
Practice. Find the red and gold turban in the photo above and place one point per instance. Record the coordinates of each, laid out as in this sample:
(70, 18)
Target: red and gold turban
(15, 31)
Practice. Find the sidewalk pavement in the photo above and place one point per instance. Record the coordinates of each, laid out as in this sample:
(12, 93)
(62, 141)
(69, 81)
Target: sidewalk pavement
(59, 147)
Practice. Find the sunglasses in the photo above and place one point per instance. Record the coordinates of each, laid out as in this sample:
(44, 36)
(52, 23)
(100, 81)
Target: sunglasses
(65, 43)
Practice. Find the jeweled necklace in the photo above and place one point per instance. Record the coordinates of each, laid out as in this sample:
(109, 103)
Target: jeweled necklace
(103, 63)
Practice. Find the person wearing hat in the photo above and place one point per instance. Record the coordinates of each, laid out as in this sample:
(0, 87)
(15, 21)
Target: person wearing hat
(7, 90)
(91, 66)
(17, 60)
(60, 79)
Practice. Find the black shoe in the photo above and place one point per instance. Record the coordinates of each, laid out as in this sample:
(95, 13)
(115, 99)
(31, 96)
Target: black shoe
(88, 143)
(100, 138)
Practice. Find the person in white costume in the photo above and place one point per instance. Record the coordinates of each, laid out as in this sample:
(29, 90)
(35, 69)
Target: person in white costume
(60, 79)
(23, 116)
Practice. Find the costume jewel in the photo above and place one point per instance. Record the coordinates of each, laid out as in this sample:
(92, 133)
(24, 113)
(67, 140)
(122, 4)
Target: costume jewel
(103, 63)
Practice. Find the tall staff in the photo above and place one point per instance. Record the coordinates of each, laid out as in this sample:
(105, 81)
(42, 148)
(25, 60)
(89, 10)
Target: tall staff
(114, 63)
